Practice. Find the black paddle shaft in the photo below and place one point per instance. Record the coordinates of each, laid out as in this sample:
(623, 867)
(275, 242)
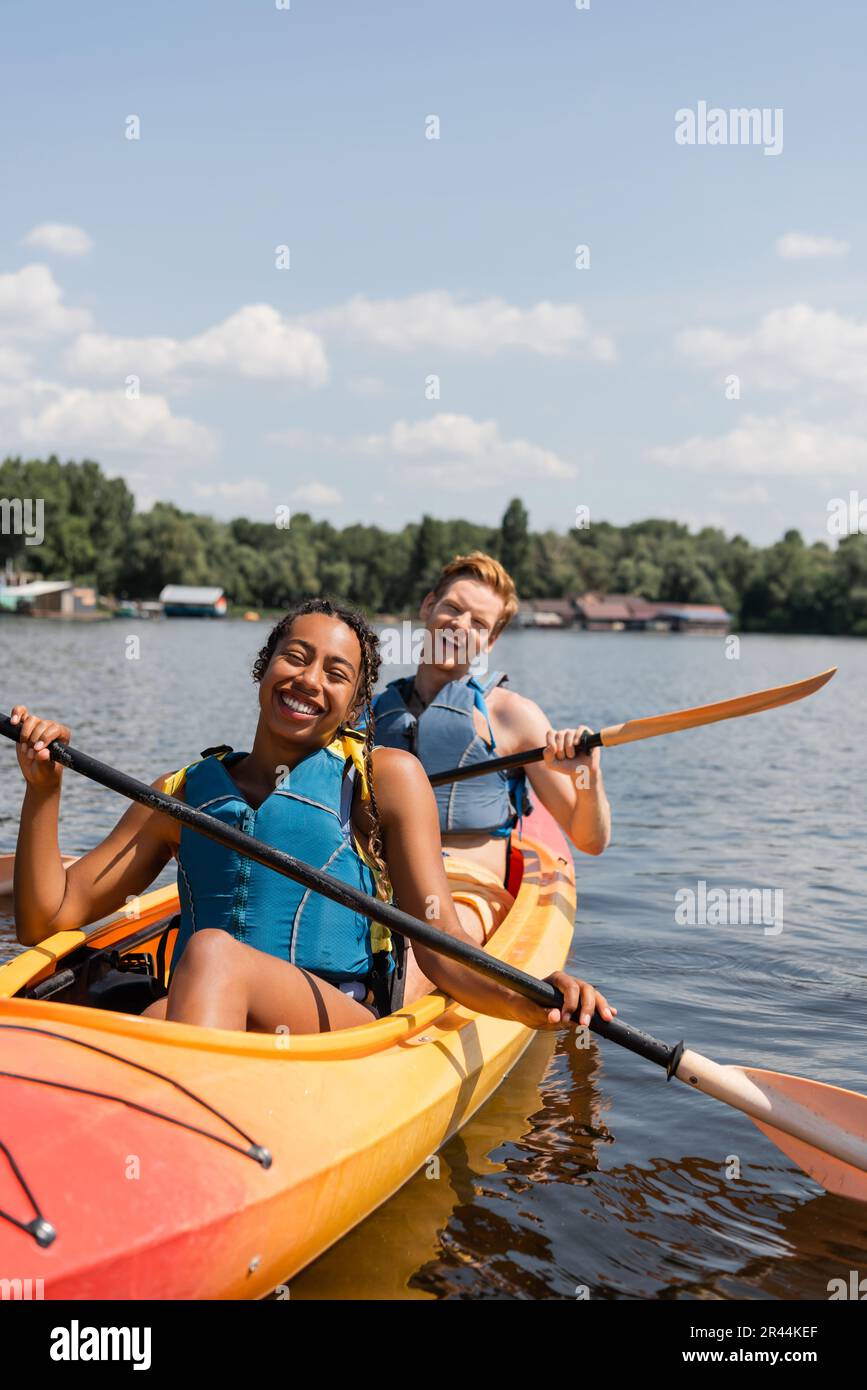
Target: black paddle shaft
(539, 991)
(586, 744)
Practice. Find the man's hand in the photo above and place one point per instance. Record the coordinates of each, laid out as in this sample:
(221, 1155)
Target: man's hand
(560, 751)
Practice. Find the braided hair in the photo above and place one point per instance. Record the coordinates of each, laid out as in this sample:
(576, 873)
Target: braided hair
(370, 664)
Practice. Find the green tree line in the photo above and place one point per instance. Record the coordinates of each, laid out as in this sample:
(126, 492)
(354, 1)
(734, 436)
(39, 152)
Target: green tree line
(93, 535)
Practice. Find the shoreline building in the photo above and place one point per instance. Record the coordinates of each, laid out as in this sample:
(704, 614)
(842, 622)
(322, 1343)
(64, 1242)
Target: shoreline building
(193, 601)
(595, 611)
(694, 617)
(598, 612)
(546, 612)
(49, 598)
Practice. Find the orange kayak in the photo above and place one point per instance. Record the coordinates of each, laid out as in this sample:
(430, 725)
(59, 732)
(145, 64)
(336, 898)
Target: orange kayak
(134, 1153)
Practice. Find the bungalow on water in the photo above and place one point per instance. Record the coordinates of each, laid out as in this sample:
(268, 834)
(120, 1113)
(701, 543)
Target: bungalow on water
(190, 601)
(49, 598)
(598, 612)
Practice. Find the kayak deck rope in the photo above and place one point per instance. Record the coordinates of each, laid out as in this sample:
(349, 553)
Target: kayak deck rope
(41, 1229)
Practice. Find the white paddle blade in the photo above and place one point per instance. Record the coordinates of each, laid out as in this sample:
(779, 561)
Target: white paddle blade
(822, 1128)
(837, 1158)
(831, 1173)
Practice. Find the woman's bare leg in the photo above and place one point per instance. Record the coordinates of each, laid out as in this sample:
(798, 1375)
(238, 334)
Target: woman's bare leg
(223, 983)
(218, 978)
(155, 1010)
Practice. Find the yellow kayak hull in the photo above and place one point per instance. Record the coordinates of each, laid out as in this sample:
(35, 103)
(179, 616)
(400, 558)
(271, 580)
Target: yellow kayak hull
(148, 1209)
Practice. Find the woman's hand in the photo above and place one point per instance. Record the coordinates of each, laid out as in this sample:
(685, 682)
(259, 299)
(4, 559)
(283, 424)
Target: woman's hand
(579, 998)
(34, 759)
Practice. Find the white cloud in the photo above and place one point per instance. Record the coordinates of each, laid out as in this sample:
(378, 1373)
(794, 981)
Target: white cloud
(31, 306)
(59, 237)
(457, 452)
(712, 345)
(450, 451)
(14, 365)
(49, 416)
(766, 447)
(256, 342)
(751, 493)
(253, 489)
(316, 495)
(103, 355)
(794, 343)
(438, 319)
(248, 489)
(798, 246)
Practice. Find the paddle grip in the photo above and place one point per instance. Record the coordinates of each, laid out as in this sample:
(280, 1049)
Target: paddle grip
(635, 1040)
(586, 743)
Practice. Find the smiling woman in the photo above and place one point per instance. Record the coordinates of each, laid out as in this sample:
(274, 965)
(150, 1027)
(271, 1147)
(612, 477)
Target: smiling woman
(255, 952)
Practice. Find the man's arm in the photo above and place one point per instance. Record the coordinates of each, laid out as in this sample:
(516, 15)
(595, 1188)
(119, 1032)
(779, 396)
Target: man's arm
(570, 787)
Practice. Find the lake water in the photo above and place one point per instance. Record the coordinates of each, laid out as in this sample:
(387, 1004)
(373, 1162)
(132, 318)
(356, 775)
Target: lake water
(587, 1169)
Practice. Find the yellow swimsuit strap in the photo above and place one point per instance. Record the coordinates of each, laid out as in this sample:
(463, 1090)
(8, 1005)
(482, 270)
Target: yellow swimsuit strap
(350, 748)
(175, 780)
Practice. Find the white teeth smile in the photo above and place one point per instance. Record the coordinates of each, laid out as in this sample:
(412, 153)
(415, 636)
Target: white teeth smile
(298, 705)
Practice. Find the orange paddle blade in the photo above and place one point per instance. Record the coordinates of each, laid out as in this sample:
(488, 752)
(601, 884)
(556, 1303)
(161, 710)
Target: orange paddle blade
(834, 1174)
(837, 1156)
(635, 729)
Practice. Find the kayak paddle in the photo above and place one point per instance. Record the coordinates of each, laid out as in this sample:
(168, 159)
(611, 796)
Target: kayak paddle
(629, 732)
(635, 729)
(821, 1128)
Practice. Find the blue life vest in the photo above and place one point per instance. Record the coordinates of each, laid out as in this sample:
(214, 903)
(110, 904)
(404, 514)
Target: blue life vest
(309, 816)
(444, 736)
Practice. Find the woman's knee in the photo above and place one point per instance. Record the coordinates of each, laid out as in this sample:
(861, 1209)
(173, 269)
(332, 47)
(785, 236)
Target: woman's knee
(210, 949)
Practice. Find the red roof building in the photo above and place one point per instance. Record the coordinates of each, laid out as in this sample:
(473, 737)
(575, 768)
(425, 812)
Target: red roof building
(599, 612)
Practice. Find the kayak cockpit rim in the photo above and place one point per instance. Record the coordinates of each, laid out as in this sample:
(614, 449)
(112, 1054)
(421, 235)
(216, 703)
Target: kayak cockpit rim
(524, 928)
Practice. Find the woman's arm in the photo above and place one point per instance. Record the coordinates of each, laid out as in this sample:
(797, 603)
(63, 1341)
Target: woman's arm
(49, 898)
(411, 836)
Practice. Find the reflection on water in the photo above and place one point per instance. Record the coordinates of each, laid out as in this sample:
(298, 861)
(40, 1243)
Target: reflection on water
(586, 1170)
(380, 1257)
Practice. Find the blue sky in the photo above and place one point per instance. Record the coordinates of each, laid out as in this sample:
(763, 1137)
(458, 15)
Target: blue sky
(412, 258)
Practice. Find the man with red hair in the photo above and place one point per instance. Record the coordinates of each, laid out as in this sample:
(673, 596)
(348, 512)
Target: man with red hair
(450, 714)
